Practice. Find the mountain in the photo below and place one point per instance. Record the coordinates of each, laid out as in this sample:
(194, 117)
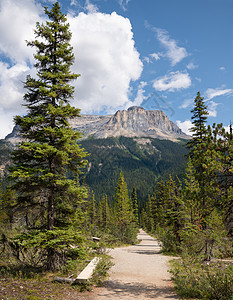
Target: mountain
(144, 144)
(143, 160)
(134, 122)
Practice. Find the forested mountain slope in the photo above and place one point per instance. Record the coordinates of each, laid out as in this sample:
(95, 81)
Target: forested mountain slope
(145, 145)
(142, 160)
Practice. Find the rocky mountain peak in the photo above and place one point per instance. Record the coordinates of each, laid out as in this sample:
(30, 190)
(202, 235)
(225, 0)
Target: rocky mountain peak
(136, 121)
(133, 122)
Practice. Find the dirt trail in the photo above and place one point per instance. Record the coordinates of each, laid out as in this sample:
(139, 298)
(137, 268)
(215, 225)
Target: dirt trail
(140, 272)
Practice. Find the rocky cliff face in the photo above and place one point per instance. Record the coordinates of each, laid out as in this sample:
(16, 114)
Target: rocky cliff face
(134, 122)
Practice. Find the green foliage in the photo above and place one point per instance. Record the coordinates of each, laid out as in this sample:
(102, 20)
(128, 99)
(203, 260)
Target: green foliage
(193, 280)
(142, 164)
(104, 214)
(101, 271)
(134, 201)
(194, 218)
(199, 119)
(124, 220)
(47, 200)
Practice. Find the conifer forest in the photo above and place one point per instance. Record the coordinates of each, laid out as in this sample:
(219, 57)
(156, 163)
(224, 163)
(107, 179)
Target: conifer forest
(49, 214)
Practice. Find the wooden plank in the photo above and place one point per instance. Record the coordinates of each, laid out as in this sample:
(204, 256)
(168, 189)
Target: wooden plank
(86, 274)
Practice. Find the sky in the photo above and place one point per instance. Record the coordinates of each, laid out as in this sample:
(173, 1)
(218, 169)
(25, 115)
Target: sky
(152, 53)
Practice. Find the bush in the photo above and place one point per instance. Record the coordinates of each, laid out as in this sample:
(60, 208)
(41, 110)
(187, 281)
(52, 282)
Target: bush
(101, 271)
(195, 280)
(168, 240)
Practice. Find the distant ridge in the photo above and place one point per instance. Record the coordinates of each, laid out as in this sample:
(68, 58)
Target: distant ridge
(133, 122)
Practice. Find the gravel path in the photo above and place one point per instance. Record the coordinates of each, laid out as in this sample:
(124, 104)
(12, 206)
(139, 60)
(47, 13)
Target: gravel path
(140, 272)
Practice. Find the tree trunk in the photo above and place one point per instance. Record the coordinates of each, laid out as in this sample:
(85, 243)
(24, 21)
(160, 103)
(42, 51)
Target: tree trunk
(51, 260)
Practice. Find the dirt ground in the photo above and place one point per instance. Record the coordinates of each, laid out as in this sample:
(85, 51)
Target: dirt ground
(11, 289)
(140, 272)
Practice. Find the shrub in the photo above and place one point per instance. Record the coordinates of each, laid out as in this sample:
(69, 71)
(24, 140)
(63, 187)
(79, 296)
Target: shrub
(195, 280)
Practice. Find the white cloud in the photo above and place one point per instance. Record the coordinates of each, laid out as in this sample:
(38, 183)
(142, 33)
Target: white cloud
(11, 88)
(105, 55)
(212, 108)
(185, 126)
(186, 103)
(227, 128)
(211, 93)
(173, 52)
(73, 3)
(6, 122)
(140, 94)
(192, 66)
(173, 81)
(124, 3)
(198, 79)
(90, 7)
(155, 56)
(107, 60)
(222, 68)
(11, 94)
(17, 21)
(148, 59)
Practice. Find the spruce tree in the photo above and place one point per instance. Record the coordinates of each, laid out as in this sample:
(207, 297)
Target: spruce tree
(104, 214)
(199, 119)
(49, 149)
(123, 212)
(191, 196)
(134, 200)
(204, 157)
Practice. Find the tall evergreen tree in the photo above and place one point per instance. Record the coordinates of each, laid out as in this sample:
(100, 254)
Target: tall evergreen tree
(104, 213)
(49, 149)
(134, 200)
(199, 119)
(191, 195)
(123, 212)
(204, 157)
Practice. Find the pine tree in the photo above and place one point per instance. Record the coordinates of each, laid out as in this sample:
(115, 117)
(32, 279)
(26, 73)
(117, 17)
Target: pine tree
(199, 119)
(104, 214)
(123, 212)
(134, 200)
(92, 210)
(191, 196)
(224, 146)
(49, 149)
(150, 214)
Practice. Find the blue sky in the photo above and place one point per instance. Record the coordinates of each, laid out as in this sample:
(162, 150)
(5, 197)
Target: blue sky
(154, 53)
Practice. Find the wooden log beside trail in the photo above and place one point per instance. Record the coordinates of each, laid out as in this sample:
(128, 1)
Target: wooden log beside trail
(87, 273)
(63, 279)
(84, 276)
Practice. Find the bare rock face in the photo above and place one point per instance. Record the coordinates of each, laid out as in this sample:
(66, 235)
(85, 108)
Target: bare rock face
(134, 122)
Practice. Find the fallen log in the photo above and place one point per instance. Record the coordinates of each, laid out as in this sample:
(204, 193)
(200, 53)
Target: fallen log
(63, 279)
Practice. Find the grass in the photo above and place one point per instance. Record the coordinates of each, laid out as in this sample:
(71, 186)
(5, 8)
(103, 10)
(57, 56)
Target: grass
(22, 282)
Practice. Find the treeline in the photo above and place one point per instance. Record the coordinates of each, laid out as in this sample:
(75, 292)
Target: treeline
(194, 219)
(114, 223)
